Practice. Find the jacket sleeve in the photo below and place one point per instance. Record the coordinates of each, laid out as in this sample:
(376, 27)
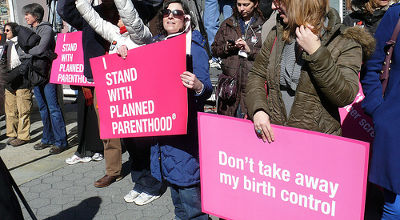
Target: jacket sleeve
(46, 37)
(102, 27)
(201, 70)
(337, 80)
(139, 33)
(68, 12)
(255, 89)
(371, 84)
(218, 47)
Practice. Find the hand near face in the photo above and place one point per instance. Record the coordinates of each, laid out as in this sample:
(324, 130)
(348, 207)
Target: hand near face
(307, 39)
(242, 45)
(190, 81)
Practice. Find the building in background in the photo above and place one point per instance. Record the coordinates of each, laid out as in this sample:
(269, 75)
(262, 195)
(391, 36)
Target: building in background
(5, 12)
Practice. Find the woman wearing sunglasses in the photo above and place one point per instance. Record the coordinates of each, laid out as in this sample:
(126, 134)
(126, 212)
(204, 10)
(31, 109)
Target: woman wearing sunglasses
(174, 159)
(307, 69)
(237, 42)
(18, 93)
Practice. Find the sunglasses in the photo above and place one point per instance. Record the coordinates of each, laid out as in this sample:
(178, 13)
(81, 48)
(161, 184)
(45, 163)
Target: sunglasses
(175, 13)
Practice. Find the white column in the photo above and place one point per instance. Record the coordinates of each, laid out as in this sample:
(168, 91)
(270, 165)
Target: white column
(11, 10)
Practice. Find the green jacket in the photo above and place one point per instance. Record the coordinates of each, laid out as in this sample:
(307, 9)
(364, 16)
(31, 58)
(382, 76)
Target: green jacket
(328, 80)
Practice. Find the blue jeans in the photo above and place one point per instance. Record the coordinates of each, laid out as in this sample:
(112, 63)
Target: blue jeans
(391, 208)
(187, 203)
(212, 12)
(145, 182)
(50, 112)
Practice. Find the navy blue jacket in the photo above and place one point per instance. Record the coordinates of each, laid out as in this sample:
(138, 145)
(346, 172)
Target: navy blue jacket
(93, 44)
(178, 155)
(385, 111)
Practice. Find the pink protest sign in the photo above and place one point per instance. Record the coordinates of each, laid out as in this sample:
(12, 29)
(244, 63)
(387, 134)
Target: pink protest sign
(68, 67)
(355, 123)
(302, 175)
(142, 95)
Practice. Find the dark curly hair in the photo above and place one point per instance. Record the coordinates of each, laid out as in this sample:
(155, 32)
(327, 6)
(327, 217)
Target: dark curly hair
(166, 3)
(13, 27)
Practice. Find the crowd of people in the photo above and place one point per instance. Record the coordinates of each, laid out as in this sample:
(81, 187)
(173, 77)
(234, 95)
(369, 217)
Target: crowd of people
(286, 62)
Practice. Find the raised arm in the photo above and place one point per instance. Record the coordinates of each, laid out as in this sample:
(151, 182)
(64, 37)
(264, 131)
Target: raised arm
(102, 27)
(138, 32)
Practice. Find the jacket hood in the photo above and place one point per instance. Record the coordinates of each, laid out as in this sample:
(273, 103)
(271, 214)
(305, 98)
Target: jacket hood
(358, 34)
(363, 37)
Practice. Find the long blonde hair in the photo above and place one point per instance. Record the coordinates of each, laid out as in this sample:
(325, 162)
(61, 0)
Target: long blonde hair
(303, 12)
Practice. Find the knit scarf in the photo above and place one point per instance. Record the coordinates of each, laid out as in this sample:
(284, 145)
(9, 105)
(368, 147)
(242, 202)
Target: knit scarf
(14, 58)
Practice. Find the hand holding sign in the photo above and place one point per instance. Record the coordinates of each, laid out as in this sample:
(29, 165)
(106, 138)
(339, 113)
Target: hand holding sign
(262, 125)
(190, 81)
(306, 175)
(134, 94)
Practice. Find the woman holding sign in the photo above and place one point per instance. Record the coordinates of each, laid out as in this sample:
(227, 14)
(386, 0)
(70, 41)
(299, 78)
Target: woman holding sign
(174, 159)
(121, 38)
(307, 69)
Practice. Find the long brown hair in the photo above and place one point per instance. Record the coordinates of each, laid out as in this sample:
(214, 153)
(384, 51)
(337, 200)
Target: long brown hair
(304, 12)
(371, 5)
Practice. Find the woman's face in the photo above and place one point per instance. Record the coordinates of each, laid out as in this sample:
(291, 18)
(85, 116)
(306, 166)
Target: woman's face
(8, 32)
(173, 18)
(382, 3)
(30, 20)
(281, 8)
(246, 8)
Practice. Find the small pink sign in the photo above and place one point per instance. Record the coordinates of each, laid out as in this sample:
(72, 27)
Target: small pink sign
(302, 175)
(355, 123)
(142, 95)
(68, 67)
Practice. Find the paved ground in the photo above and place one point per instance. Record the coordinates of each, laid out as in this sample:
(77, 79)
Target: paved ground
(55, 190)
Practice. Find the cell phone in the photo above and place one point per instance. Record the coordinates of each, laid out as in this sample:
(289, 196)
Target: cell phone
(232, 42)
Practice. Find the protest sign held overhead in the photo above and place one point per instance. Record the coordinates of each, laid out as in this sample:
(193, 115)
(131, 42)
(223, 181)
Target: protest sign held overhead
(301, 175)
(68, 67)
(142, 95)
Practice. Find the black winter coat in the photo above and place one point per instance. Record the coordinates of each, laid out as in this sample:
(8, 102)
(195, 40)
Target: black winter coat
(39, 64)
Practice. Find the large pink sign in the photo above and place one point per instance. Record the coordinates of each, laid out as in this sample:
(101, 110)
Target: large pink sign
(142, 95)
(68, 67)
(302, 175)
(355, 123)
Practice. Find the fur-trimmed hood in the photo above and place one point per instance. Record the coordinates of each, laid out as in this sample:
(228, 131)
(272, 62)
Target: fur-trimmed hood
(358, 34)
(363, 37)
